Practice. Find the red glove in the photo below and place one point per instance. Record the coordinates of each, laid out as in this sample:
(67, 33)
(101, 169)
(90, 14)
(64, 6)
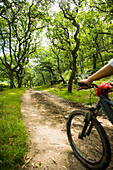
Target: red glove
(103, 87)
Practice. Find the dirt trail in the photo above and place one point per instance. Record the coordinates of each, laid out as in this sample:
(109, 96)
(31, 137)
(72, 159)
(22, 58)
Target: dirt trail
(44, 116)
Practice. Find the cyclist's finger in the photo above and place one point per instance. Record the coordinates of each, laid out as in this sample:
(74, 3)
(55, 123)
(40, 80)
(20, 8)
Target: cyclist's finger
(82, 85)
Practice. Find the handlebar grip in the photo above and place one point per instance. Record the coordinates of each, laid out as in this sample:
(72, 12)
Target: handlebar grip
(111, 84)
(81, 84)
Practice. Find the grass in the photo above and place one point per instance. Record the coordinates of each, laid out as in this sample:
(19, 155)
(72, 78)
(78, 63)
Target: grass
(82, 96)
(12, 130)
(87, 97)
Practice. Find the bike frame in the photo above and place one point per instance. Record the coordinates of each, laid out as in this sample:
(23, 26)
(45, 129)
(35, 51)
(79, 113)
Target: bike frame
(106, 104)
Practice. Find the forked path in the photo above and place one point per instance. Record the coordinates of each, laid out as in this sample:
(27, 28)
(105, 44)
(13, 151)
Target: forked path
(44, 115)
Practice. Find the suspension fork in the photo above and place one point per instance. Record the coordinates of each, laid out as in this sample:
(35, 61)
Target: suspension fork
(89, 130)
(87, 121)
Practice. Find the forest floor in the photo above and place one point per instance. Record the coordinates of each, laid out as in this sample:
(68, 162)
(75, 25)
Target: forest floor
(44, 115)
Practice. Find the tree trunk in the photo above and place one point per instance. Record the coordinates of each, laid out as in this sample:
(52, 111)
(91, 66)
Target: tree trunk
(68, 16)
(11, 79)
(72, 74)
(101, 59)
(62, 79)
(20, 82)
(43, 78)
(94, 61)
(59, 70)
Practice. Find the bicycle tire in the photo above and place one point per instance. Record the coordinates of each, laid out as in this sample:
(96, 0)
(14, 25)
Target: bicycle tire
(79, 146)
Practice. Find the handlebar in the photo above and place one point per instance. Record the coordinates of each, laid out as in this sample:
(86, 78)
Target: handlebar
(81, 84)
(99, 89)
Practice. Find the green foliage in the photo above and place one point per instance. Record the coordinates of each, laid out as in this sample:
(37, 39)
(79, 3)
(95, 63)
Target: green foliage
(3, 84)
(26, 23)
(21, 23)
(12, 130)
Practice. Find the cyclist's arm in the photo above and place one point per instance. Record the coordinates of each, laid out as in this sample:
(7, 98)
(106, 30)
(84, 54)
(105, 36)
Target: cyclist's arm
(105, 71)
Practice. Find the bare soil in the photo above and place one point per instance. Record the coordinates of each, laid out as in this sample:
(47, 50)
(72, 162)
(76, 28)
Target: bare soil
(44, 115)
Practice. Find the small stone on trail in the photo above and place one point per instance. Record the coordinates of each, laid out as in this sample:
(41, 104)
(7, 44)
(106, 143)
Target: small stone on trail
(66, 117)
(53, 160)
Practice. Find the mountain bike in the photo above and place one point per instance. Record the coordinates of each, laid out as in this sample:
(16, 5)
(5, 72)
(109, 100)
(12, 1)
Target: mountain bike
(87, 136)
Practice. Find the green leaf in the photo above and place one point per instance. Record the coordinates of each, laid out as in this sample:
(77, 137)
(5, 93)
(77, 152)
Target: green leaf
(38, 165)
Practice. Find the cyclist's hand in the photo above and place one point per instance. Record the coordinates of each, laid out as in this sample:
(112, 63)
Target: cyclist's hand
(103, 87)
(84, 84)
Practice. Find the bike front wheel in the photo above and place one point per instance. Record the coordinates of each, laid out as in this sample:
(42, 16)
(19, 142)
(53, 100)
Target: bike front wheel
(93, 150)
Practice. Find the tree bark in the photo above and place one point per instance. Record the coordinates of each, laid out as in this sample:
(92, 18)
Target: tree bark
(43, 78)
(19, 81)
(11, 79)
(94, 61)
(72, 74)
